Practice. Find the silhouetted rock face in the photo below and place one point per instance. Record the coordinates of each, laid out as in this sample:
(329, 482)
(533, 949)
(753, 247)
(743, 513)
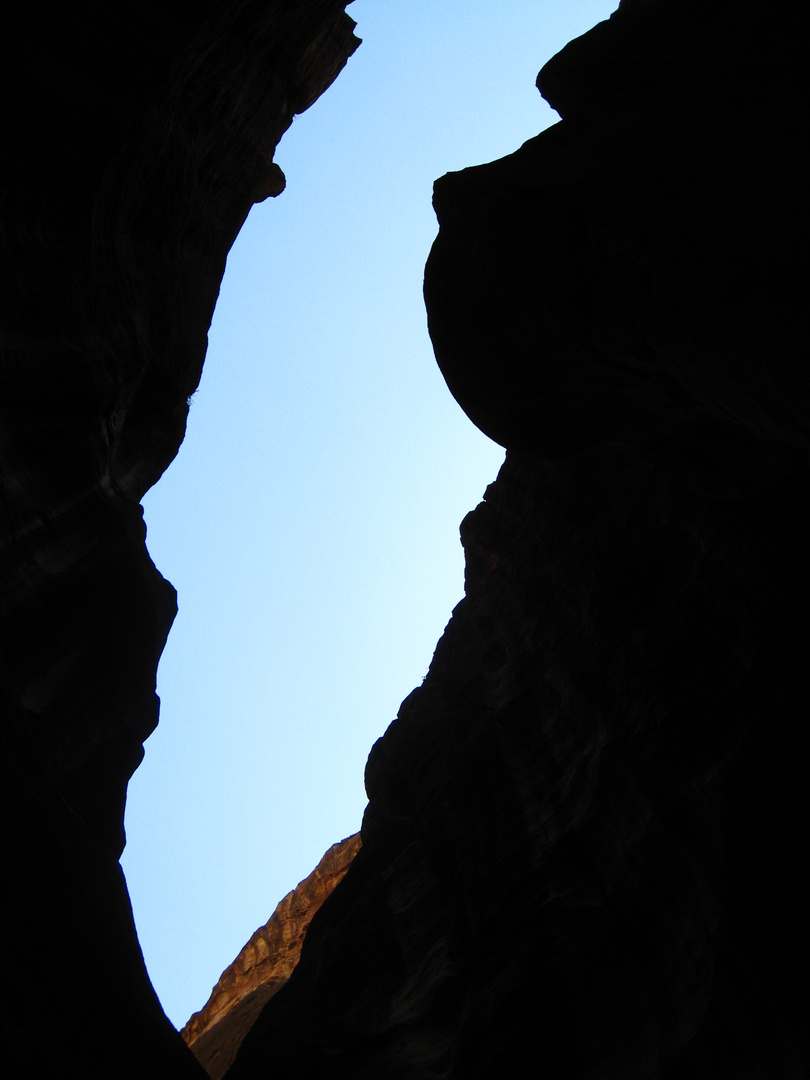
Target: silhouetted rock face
(586, 841)
(216, 1032)
(630, 271)
(135, 140)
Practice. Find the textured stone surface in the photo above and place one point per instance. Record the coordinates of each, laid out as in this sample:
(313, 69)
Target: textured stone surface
(216, 1032)
(586, 841)
(135, 140)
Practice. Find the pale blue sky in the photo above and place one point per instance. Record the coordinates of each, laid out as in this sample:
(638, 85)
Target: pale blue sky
(310, 522)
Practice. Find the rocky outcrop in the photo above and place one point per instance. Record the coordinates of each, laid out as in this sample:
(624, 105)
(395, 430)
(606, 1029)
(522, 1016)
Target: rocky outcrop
(135, 141)
(216, 1032)
(584, 851)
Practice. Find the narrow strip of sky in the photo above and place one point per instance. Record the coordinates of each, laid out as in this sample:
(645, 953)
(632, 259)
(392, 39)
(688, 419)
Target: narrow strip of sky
(310, 521)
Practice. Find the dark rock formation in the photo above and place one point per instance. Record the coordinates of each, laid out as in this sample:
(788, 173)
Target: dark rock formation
(216, 1032)
(135, 141)
(585, 843)
(585, 846)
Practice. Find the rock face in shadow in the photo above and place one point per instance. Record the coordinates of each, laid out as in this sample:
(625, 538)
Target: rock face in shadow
(586, 842)
(135, 141)
(216, 1032)
(584, 851)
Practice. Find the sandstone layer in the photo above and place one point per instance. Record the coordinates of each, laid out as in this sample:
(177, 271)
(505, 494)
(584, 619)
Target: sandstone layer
(264, 965)
(135, 140)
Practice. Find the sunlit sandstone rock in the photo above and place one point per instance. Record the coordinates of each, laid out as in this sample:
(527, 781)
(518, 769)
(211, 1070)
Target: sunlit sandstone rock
(265, 964)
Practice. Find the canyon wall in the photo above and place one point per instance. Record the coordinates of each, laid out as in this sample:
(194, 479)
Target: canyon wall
(263, 966)
(135, 140)
(585, 845)
(585, 841)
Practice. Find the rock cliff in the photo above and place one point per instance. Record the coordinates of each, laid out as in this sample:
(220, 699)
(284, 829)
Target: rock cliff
(135, 140)
(265, 964)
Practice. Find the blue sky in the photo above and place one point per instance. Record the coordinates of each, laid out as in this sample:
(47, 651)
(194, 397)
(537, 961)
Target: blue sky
(310, 522)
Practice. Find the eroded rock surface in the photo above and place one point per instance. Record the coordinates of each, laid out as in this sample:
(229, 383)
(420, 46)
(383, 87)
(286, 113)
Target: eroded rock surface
(216, 1032)
(135, 140)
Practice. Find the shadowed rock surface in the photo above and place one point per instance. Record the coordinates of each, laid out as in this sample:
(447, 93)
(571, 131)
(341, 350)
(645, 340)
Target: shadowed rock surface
(586, 841)
(585, 848)
(265, 964)
(135, 140)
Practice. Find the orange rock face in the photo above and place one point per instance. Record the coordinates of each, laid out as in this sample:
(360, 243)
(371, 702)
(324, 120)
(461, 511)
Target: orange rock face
(264, 965)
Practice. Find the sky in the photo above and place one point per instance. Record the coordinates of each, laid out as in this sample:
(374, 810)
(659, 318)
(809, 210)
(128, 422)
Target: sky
(310, 522)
